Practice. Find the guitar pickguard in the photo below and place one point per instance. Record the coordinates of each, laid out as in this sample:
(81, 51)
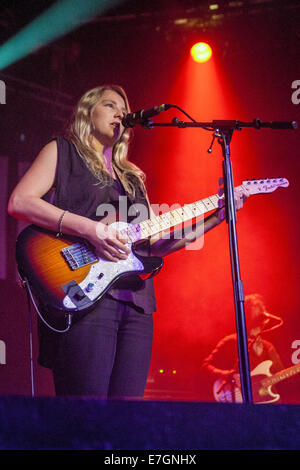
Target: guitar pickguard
(102, 275)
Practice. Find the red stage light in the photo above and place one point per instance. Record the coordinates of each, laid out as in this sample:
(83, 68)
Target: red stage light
(201, 52)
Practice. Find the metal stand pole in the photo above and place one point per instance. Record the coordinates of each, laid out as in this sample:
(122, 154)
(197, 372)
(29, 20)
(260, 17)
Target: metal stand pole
(238, 289)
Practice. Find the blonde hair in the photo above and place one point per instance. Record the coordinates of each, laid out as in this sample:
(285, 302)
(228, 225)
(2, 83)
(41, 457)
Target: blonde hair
(80, 133)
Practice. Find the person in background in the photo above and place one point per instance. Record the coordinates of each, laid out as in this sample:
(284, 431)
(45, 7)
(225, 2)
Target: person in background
(222, 365)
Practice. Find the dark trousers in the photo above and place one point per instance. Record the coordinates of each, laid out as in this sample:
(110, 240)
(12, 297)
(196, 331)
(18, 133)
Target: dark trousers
(105, 354)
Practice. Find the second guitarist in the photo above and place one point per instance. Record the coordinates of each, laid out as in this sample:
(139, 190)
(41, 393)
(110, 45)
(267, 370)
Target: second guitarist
(222, 363)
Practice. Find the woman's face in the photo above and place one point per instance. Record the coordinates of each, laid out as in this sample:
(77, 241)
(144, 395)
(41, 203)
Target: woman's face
(107, 118)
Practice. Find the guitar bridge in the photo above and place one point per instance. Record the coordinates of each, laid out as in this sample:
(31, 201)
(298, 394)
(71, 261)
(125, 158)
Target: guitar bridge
(78, 255)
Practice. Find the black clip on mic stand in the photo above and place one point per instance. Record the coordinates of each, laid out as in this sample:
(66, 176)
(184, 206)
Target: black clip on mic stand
(224, 131)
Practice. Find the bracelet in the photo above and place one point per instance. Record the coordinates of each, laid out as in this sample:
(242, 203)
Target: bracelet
(59, 234)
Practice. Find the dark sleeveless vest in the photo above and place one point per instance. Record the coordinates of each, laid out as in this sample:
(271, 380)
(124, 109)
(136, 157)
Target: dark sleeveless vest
(78, 191)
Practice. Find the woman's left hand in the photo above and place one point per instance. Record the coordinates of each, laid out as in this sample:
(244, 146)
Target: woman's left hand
(240, 197)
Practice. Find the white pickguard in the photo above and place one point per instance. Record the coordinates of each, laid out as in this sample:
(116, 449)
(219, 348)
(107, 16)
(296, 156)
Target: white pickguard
(263, 369)
(108, 270)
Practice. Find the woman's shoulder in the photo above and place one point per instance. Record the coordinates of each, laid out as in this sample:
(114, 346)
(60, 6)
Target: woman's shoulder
(63, 144)
(60, 139)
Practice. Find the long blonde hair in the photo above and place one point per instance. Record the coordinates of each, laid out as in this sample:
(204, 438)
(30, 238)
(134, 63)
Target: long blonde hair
(80, 132)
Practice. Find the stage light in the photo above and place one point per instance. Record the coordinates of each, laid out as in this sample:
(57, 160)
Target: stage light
(201, 52)
(58, 20)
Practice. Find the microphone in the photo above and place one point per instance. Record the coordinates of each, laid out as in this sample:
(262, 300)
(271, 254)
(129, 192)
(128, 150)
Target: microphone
(270, 317)
(141, 117)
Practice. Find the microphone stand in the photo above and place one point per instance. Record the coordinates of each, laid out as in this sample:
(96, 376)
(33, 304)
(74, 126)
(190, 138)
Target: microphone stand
(223, 130)
(238, 289)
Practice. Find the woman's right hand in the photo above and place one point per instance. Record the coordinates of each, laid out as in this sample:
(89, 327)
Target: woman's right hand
(109, 243)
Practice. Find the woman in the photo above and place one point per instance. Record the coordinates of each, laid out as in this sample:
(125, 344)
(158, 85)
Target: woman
(107, 353)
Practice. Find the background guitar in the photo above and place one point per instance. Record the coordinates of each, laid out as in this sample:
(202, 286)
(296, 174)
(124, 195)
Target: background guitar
(262, 382)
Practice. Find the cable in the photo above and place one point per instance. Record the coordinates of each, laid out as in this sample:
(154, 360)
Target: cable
(69, 315)
(30, 346)
(25, 284)
(177, 107)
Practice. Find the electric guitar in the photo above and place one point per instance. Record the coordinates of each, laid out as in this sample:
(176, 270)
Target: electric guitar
(65, 274)
(262, 381)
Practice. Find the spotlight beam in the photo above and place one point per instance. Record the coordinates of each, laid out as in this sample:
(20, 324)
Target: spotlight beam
(56, 21)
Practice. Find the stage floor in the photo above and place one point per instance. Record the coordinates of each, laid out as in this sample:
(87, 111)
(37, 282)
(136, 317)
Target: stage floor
(91, 424)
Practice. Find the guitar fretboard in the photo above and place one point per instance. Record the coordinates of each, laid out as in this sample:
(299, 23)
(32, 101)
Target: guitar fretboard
(170, 219)
(285, 374)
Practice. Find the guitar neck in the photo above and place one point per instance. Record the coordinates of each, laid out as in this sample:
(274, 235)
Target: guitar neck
(168, 220)
(165, 221)
(282, 375)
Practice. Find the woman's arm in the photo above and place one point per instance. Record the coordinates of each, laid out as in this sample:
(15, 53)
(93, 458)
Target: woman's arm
(26, 203)
(165, 243)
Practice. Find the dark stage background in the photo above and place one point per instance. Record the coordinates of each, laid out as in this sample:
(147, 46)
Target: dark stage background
(145, 48)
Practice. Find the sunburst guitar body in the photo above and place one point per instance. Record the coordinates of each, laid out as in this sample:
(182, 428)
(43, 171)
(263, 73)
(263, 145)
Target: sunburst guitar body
(66, 275)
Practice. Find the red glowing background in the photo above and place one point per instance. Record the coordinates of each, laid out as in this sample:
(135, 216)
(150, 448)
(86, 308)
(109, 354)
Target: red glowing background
(194, 289)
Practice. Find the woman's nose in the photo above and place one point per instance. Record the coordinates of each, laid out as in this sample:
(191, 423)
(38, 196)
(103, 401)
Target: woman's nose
(118, 113)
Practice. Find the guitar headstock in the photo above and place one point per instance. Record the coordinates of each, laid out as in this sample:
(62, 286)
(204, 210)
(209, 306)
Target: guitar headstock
(267, 185)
